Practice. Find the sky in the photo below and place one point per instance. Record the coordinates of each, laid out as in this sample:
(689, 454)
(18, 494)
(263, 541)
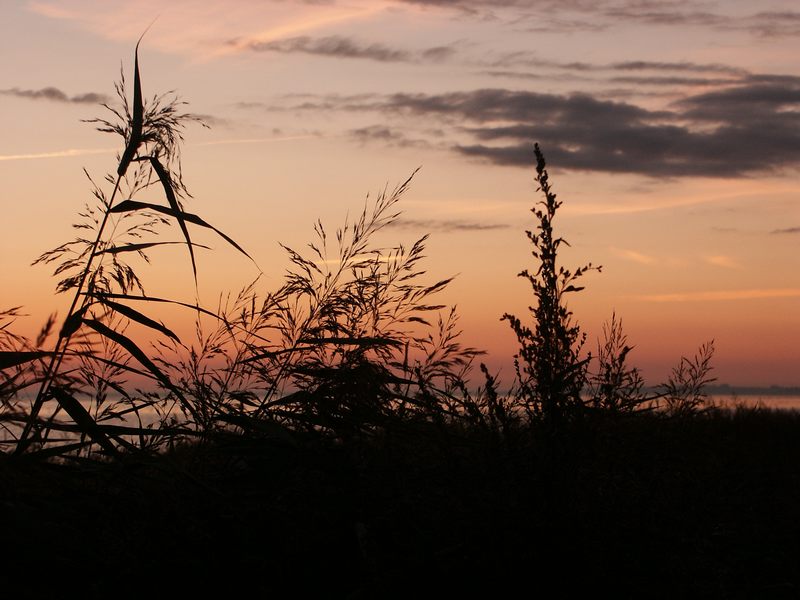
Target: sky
(671, 130)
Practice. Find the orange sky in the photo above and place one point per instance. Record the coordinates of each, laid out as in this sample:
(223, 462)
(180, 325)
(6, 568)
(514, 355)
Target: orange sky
(672, 131)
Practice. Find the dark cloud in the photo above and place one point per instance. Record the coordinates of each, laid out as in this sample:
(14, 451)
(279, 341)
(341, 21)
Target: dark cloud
(446, 225)
(639, 72)
(56, 95)
(579, 16)
(343, 47)
(734, 132)
(488, 105)
(786, 230)
(765, 104)
(528, 76)
(534, 60)
(770, 24)
(680, 67)
(550, 24)
(673, 81)
(737, 131)
(386, 135)
(667, 17)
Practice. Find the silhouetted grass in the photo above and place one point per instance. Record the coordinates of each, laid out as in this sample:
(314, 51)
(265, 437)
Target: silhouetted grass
(325, 438)
(643, 505)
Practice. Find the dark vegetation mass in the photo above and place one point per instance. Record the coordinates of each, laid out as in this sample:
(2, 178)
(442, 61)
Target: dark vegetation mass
(327, 437)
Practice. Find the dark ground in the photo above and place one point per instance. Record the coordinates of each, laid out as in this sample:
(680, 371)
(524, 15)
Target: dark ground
(641, 506)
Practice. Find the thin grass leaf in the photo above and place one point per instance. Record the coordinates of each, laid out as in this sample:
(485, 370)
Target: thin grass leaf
(137, 120)
(112, 363)
(133, 205)
(56, 450)
(82, 418)
(169, 190)
(274, 353)
(164, 300)
(137, 353)
(12, 359)
(268, 428)
(117, 430)
(351, 341)
(135, 315)
(72, 323)
(143, 246)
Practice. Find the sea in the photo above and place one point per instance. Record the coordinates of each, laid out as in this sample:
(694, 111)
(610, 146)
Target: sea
(773, 401)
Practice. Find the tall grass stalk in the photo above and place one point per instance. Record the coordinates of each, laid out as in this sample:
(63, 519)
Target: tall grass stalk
(96, 270)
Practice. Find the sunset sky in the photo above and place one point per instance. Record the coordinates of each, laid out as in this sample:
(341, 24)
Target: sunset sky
(671, 129)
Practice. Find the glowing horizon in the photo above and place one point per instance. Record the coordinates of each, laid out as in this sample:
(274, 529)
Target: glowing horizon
(677, 166)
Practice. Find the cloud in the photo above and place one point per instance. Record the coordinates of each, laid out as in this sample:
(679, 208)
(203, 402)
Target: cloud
(634, 256)
(333, 46)
(787, 230)
(388, 136)
(717, 296)
(527, 58)
(680, 67)
(666, 17)
(56, 95)
(577, 16)
(446, 225)
(673, 81)
(726, 262)
(737, 131)
(770, 24)
(336, 46)
(205, 29)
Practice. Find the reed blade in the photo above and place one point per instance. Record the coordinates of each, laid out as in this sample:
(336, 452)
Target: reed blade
(82, 418)
(169, 190)
(139, 355)
(133, 205)
(137, 121)
(135, 315)
(10, 358)
(143, 246)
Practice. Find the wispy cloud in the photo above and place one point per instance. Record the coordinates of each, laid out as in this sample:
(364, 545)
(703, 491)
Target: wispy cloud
(720, 296)
(786, 230)
(388, 136)
(720, 260)
(446, 225)
(207, 29)
(577, 16)
(55, 95)
(633, 256)
(336, 46)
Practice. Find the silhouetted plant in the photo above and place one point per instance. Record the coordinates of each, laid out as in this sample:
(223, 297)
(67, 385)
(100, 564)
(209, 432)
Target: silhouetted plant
(352, 345)
(616, 386)
(98, 271)
(345, 346)
(684, 392)
(550, 371)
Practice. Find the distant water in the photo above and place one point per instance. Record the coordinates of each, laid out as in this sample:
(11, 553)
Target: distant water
(781, 402)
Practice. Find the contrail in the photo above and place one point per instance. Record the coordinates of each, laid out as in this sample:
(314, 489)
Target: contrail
(57, 154)
(721, 295)
(89, 151)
